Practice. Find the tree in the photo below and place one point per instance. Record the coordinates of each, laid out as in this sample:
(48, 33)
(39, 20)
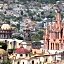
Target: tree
(4, 45)
(7, 62)
(35, 38)
(19, 18)
(38, 19)
(50, 16)
(41, 33)
(42, 13)
(38, 36)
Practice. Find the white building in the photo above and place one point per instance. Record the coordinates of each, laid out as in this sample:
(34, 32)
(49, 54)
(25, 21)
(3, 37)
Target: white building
(35, 56)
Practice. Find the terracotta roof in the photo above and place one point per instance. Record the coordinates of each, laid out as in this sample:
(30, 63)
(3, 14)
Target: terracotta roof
(21, 50)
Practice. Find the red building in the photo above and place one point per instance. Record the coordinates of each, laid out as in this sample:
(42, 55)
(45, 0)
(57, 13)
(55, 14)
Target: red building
(54, 37)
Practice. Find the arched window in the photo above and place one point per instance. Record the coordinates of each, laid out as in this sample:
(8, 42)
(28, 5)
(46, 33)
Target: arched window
(51, 46)
(18, 62)
(46, 60)
(0, 57)
(32, 61)
(23, 62)
(35, 52)
(26, 54)
(37, 62)
(21, 55)
(19, 43)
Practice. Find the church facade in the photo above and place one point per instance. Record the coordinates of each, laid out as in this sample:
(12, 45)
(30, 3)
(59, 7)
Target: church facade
(54, 36)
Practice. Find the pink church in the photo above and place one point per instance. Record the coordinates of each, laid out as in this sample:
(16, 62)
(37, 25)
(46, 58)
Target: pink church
(54, 36)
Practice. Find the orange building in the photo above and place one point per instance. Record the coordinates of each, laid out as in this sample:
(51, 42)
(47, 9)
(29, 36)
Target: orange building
(54, 37)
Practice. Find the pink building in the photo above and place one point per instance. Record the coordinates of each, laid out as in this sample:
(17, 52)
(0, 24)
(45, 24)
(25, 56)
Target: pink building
(54, 37)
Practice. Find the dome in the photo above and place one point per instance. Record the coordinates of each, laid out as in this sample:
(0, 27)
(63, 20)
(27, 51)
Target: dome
(5, 27)
(21, 50)
(2, 52)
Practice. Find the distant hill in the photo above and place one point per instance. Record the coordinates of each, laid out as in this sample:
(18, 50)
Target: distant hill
(42, 1)
(49, 1)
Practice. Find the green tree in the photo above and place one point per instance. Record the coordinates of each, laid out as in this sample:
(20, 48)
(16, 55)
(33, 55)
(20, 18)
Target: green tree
(38, 19)
(13, 25)
(38, 36)
(4, 45)
(41, 33)
(35, 37)
(42, 13)
(50, 16)
(19, 18)
(7, 62)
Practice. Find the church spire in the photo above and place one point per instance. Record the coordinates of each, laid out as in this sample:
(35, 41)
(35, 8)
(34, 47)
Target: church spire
(46, 31)
(58, 22)
(47, 35)
(58, 18)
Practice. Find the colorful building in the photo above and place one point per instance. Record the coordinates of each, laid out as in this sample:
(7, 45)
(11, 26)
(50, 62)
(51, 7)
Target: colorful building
(35, 56)
(54, 37)
(5, 31)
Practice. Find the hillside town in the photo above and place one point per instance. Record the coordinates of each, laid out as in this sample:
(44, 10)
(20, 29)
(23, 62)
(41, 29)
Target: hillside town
(31, 32)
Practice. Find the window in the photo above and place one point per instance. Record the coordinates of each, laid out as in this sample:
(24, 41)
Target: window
(16, 54)
(19, 43)
(21, 55)
(32, 61)
(31, 51)
(46, 60)
(35, 52)
(57, 46)
(18, 63)
(35, 44)
(0, 57)
(51, 46)
(14, 42)
(57, 34)
(23, 62)
(63, 41)
(48, 44)
(26, 54)
(10, 42)
(61, 45)
(6, 41)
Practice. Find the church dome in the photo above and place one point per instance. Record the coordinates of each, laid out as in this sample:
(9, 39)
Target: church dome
(21, 50)
(5, 27)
